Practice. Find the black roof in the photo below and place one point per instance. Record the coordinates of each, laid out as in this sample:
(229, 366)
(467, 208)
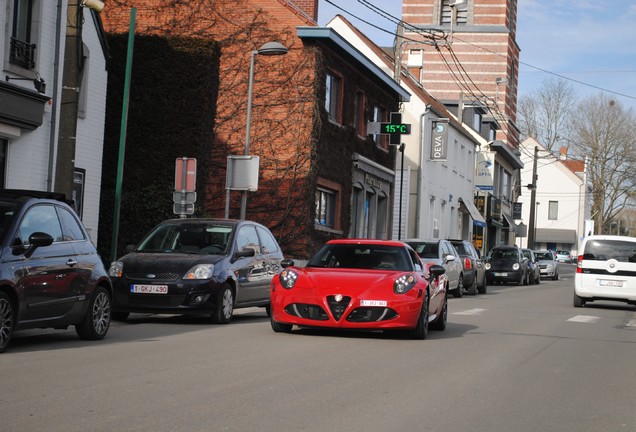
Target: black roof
(24, 194)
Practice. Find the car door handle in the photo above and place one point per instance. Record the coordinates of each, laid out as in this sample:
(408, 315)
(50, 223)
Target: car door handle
(71, 262)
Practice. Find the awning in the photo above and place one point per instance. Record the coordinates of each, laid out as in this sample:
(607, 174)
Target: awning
(509, 223)
(554, 235)
(478, 219)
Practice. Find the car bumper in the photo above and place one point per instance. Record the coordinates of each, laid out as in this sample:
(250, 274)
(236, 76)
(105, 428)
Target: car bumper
(503, 276)
(548, 273)
(589, 287)
(192, 297)
(294, 307)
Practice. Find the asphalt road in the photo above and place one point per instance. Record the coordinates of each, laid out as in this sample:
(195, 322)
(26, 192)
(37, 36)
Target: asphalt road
(516, 359)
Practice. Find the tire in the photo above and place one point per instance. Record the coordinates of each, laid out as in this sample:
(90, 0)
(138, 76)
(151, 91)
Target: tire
(556, 275)
(484, 287)
(538, 280)
(532, 279)
(268, 310)
(119, 316)
(224, 305)
(442, 319)
(459, 291)
(522, 280)
(578, 301)
(96, 322)
(7, 321)
(421, 328)
(280, 327)
(472, 288)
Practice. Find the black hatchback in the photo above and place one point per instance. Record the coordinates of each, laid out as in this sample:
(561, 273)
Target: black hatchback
(507, 264)
(197, 266)
(50, 273)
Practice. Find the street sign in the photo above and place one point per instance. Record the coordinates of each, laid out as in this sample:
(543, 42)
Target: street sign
(183, 208)
(185, 174)
(188, 197)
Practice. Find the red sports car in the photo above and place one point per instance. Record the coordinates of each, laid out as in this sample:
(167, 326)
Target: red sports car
(360, 284)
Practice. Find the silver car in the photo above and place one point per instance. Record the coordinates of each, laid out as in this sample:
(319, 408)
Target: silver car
(548, 266)
(443, 253)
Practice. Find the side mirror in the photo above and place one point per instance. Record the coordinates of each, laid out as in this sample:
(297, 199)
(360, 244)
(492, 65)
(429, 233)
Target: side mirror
(245, 252)
(449, 258)
(36, 240)
(288, 262)
(436, 270)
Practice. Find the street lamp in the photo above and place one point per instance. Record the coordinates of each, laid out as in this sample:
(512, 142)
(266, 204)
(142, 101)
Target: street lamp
(267, 49)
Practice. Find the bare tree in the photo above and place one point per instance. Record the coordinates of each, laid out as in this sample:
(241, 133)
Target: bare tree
(603, 133)
(545, 114)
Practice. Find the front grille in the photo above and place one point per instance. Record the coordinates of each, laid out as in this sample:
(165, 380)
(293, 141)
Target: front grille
(158, 276)
(371, 314)
(307, 311)
(338, 307)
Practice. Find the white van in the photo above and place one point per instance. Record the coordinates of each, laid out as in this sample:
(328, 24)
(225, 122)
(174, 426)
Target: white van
(606, 270)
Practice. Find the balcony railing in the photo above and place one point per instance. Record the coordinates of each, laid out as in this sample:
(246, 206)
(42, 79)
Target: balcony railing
(22, 53)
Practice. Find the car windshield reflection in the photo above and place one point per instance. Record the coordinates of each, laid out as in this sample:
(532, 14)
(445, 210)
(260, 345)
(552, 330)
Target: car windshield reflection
(190, 238)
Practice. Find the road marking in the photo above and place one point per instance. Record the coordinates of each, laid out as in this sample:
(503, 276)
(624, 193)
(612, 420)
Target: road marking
(631, 323)
(584, 319)
(470, 312)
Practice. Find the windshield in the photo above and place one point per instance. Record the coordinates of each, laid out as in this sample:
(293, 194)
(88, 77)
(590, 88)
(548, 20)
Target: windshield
(426, 250)
(197, 238)
(544, 256)
(376, 257)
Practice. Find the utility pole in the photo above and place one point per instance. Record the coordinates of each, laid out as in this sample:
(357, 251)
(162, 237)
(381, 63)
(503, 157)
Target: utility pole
(533, 201)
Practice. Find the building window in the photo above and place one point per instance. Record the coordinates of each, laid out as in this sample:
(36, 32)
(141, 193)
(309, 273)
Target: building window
(358, 114)
(325, 207)
(327, 204)
(477, 121)
(458, 16)
(22, 51)
(506, 185)
(333, 95)
(553, 210)
(379, 115)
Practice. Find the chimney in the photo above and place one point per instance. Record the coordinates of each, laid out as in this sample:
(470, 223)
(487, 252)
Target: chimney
(563, 153)
(310, 7)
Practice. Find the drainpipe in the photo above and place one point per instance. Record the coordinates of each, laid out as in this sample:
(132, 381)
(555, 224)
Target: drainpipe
(420, 170)
(56, 74)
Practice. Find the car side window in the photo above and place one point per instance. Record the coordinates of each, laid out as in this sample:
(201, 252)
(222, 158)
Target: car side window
(247, 237)
(70, 226)
(268, 243)
(39, 218)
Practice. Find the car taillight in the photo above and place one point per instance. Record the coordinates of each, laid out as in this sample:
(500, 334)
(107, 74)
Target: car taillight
(579, 264)
(467, 264)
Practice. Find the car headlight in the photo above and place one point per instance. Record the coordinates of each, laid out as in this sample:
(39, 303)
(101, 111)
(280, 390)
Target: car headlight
(487, 265)
(116, 269)
(288, 278)
(404, 283)
(551, 266)
(200, 271)
(515, 266)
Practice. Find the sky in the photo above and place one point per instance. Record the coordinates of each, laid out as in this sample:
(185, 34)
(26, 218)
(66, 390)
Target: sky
(590, 43)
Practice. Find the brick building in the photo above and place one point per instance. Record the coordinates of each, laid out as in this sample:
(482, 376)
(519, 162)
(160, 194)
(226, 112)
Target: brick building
(321, 175)
(465, 54)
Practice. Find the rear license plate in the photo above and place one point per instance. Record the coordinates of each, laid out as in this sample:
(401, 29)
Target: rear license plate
(500, 274)
(381, 303)
(610, 283)
(149, 289)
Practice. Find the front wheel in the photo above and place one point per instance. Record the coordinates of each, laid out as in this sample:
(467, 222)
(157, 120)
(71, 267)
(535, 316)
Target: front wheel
(95, 324)
(224, 305)
(280, 327)
(459, 291)
(7, 321)
(421, 328)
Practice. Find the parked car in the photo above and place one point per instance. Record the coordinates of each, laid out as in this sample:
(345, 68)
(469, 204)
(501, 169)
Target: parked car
(534, 271)
(442, 252)
(361, 284)
(606, 270)
(548, 266)
(507, 264)
(50, 273)
(474, 271)
(564, 256)
(197, 266)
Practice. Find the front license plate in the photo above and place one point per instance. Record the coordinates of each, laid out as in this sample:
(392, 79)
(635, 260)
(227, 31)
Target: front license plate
(500, 274)
(610, 283)
(149, 289)
(381, 303)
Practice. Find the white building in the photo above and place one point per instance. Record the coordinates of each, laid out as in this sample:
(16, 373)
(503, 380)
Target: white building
(437, 193)
(52, 101)
(561, 199)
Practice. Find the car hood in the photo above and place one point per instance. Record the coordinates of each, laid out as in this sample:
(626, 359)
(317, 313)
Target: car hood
(165, 262)
(346, 281)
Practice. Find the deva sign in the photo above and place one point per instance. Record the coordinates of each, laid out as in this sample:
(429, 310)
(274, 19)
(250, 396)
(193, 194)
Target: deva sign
(439, 140)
